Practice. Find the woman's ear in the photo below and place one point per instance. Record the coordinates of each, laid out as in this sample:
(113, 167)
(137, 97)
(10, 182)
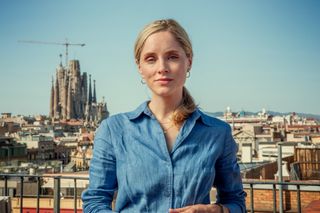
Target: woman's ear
(142, 76)
(190, 62)
(139, 70)
(139, 67)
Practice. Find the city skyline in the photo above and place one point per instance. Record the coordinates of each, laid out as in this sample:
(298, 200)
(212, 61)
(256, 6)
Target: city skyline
(249, 55)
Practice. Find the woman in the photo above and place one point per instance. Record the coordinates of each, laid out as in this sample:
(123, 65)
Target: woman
(166, 155)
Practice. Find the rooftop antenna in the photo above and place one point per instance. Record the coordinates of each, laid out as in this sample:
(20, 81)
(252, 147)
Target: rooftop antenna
(66, 44)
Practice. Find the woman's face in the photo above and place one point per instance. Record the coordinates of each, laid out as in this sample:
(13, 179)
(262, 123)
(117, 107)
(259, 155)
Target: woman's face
(163, 64)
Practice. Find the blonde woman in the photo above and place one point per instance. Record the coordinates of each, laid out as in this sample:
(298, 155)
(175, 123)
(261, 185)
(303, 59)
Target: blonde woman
(166, 155)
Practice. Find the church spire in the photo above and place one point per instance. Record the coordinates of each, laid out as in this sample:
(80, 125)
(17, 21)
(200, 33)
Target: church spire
(94, 100)
(52, 100)
(90, 91)
(56, 98)
(60, 59)
(70, 101)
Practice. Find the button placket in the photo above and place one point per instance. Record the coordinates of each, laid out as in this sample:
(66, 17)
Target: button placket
(168, 191)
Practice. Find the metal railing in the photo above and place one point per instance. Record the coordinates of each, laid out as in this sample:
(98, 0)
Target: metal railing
(56, 189)
(276, 185)
(248, 184)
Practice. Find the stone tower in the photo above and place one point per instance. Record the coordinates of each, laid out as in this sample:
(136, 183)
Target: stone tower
(69, 95)
(51, 113)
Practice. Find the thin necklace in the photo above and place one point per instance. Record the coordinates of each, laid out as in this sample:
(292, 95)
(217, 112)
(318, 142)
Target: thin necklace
(165, 122)
(165, 131)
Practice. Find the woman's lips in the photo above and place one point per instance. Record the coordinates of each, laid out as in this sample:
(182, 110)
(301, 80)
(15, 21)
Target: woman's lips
(164, 80)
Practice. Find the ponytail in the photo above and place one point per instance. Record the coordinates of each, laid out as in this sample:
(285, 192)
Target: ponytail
(187, 107)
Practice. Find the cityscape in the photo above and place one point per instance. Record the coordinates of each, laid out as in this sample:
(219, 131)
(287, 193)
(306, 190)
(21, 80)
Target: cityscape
(61, 144)
(255, 68)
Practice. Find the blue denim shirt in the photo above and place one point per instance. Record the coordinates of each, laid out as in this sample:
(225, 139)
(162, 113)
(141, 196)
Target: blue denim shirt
(131, 156)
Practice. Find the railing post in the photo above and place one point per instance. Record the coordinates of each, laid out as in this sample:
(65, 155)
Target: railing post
(280, 179)
(75, 195)
(38, 194)
(56, 194)
(251, 198)
(274, 198)
(5, 186)
(299, 199)
(21, 194)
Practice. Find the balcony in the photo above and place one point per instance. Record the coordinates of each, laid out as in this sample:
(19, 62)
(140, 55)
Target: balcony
(55, 194)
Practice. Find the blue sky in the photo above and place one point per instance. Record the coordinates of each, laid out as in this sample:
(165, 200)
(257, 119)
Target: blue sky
(249, 54)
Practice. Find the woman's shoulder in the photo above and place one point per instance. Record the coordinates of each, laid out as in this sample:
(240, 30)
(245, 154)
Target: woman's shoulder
(115, 119)
(123, 117)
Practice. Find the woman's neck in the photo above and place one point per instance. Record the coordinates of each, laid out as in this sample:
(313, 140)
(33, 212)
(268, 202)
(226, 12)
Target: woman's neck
(164, 107)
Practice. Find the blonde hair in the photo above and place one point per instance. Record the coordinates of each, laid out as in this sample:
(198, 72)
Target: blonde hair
(187, 105)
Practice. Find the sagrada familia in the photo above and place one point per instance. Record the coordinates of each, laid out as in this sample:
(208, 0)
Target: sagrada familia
(70, 98)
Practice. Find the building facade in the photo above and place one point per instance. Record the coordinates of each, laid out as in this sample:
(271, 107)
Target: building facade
(71, 96)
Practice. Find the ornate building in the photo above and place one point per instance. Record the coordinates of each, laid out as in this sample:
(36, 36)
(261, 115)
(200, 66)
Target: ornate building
(70, 98)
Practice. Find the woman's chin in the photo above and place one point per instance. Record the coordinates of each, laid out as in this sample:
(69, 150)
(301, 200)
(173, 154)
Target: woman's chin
(165, 92)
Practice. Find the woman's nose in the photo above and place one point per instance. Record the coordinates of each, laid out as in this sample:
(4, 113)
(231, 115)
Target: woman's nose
(163, 66)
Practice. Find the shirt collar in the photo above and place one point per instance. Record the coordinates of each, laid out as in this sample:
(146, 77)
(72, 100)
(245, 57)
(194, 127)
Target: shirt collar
(144, 109)
(200, 116)
(206, 119)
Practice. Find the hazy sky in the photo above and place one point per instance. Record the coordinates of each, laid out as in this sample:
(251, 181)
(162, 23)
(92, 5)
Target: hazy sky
(249, 55)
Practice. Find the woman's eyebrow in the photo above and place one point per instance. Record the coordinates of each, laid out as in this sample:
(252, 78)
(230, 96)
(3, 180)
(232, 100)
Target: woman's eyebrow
(172, 52)
(148, 54)
(151, 53)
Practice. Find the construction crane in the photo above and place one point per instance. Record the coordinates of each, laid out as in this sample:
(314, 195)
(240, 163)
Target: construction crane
(66, 44)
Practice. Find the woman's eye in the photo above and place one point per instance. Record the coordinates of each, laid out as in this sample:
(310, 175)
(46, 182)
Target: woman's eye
(150, 59)
(173, 57)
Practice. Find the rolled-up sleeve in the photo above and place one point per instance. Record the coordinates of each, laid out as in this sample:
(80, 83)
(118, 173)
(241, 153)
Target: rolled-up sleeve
(102, 174)
(228, 178)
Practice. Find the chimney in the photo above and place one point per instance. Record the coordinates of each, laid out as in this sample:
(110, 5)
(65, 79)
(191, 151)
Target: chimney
(246, 153)
(285, 172)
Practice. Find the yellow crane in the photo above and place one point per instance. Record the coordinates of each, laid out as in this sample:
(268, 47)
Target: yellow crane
(66, 44)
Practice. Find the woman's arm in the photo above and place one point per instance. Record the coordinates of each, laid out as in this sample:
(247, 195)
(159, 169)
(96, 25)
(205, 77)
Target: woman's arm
(102, 174)
(228, 178)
